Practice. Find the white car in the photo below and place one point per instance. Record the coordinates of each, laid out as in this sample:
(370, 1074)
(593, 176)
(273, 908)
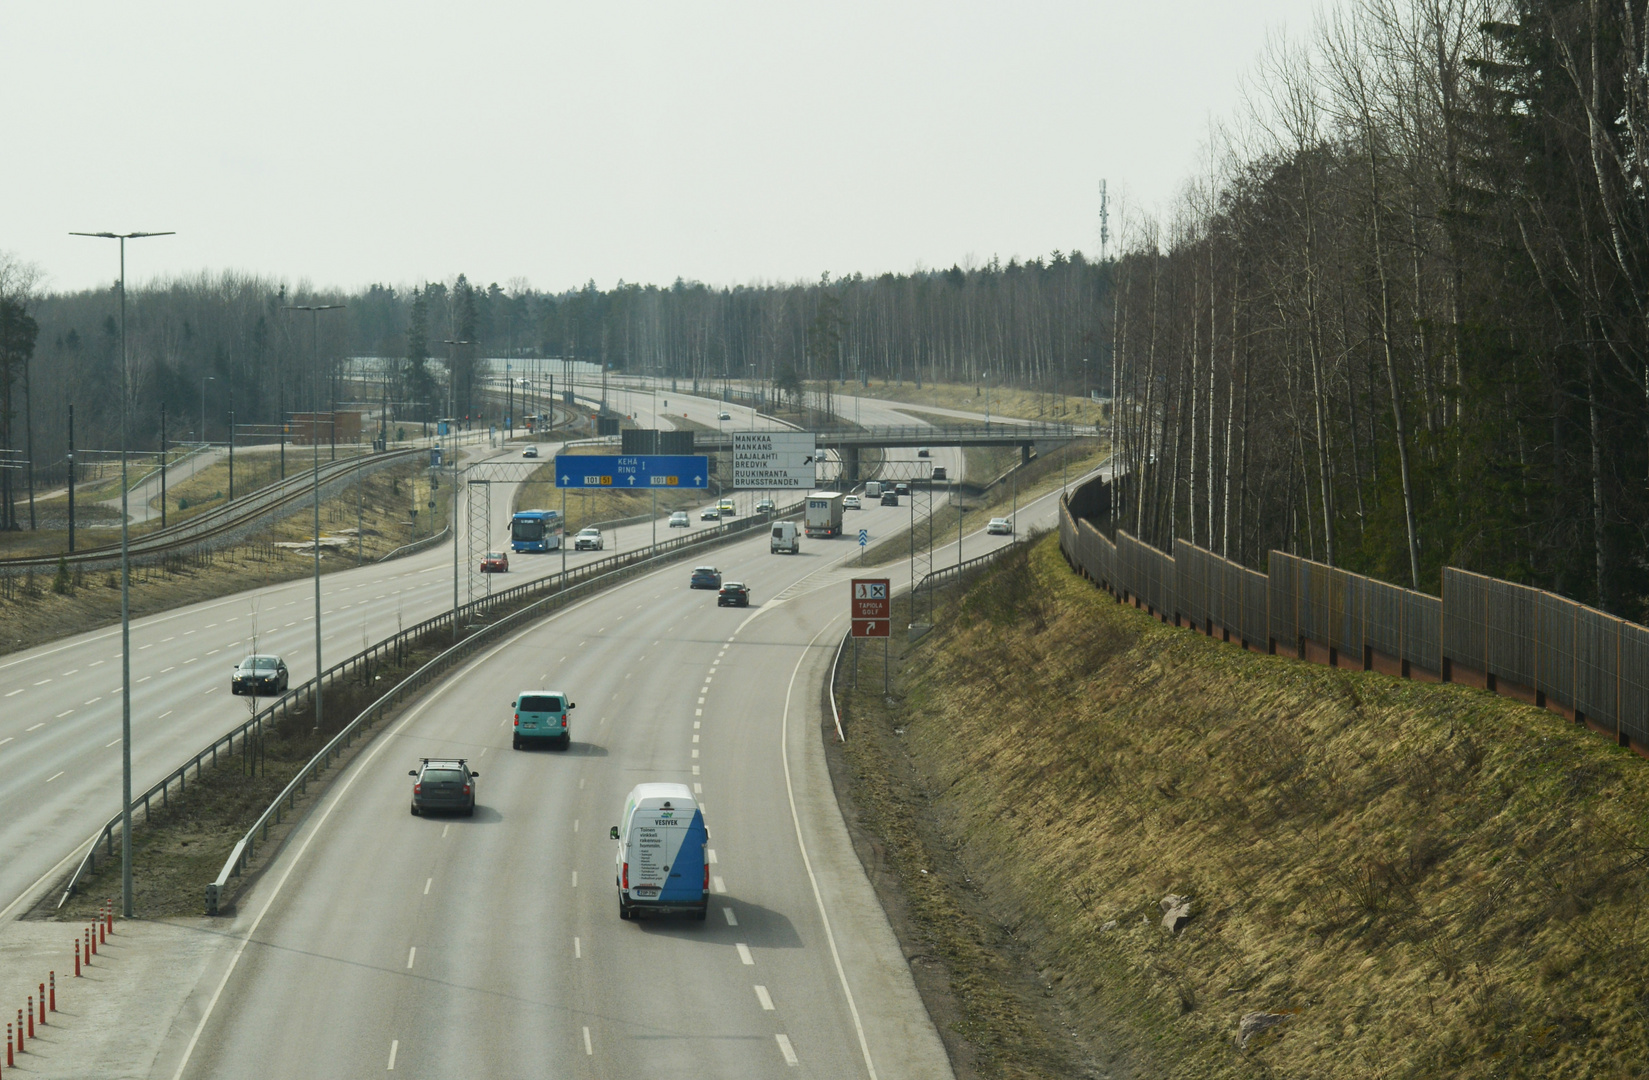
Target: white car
(1000, 526)
(678, 520)
(589, 540)
(531, 451)
(851, 502)
(724, 416)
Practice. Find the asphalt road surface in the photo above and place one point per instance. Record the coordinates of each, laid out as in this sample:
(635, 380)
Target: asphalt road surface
(440, 946)
(60, 704)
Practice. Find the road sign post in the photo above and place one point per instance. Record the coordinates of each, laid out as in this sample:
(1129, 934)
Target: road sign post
(872, 617)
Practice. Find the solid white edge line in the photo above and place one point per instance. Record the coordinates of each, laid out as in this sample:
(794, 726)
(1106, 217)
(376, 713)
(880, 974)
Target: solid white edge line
(359, 770)
(818, 898)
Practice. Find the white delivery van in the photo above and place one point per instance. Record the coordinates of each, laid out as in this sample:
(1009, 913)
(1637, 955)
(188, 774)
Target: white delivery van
(873, 489)
(786, 538)
(661, 859)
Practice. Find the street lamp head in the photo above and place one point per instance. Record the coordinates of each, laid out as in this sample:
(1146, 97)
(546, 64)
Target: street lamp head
(122, 236)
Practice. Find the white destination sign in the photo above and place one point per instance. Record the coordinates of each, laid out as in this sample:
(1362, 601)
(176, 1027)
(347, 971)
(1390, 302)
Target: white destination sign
(774, 459)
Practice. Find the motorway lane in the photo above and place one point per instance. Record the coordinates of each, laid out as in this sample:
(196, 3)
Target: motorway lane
(492, 945)
(60, 703)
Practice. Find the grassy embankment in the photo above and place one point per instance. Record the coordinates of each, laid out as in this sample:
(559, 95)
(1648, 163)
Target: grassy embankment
(39, 608)
(1416, 880)
(98, 525)
(1004, 401)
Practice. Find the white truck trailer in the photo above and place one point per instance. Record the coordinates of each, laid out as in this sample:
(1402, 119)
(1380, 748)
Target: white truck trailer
(824, 513)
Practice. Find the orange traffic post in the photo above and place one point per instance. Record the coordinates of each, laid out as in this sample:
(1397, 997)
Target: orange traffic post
(77, 958)
(31, 1016)
(42, 1004)
(54, 990)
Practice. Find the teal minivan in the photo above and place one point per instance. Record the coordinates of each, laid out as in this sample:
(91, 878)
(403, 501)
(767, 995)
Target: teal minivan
(541, 716)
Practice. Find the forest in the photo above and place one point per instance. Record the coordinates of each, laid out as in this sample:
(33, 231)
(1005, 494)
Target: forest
(1395, 318)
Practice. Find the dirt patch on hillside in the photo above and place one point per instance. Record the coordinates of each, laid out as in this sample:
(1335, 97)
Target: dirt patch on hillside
(1380, 878)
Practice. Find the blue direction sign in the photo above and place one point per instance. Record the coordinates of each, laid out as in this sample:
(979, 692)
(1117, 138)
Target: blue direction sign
(633, 472)
(864, 537)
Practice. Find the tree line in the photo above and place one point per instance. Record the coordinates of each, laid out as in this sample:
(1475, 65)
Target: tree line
(204, 346)
(1399, 319)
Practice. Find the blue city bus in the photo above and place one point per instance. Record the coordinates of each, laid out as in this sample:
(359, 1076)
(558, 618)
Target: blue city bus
(535, 530)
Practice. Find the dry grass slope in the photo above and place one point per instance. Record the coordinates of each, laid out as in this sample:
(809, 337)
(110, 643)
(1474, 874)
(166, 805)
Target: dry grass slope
(1423, 881)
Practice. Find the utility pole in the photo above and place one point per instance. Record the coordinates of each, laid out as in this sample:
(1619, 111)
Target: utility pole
(71, 471)
(452, 492)
(162, 464)
(1104, 223)
(125, 594)
(315, 440)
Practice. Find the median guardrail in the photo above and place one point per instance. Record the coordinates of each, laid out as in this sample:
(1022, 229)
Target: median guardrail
(392, 648)
(585, 580)
(232, 521)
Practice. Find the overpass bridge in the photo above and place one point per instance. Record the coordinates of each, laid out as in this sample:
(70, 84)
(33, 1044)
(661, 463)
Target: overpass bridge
(849, 442)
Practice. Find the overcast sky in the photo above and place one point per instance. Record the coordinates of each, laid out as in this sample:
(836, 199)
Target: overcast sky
(348, 143)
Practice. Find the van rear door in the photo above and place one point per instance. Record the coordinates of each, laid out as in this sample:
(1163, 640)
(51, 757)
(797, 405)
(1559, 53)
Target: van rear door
(666, 852)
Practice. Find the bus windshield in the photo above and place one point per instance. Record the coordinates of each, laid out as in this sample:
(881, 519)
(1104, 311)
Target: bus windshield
(527, 529)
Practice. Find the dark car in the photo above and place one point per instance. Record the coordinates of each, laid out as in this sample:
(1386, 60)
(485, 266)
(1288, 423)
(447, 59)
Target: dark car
(443, 784)
(260, 675)
(901, 489)
(705, 577)
(734, 594)
(890, 498)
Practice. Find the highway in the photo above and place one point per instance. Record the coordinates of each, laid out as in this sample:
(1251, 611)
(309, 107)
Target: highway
(60, 703)
(491, 945)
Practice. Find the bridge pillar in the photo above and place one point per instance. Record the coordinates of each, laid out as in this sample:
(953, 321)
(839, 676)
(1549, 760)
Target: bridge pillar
(850, 466)
(1024, 453)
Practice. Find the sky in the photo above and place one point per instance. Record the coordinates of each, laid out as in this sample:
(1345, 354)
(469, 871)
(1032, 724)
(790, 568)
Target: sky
(346, 143)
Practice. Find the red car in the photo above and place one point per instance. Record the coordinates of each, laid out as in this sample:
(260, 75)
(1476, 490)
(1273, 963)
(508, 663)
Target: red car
(495, 562)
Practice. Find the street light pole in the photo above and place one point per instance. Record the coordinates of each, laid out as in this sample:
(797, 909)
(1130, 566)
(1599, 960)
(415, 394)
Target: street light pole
(315, 440)
(203, 382)
(452, 492)
(125, 597)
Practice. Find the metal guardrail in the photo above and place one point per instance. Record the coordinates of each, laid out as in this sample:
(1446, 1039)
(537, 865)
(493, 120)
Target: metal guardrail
(216, 522)
(983, 434)
(220, 521)
(937, 577)
(612, 570)
(391, 647)
(417, 545)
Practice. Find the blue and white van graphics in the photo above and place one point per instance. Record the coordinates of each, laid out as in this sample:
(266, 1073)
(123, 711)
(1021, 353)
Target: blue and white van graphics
(661, 852)
(541, 716)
